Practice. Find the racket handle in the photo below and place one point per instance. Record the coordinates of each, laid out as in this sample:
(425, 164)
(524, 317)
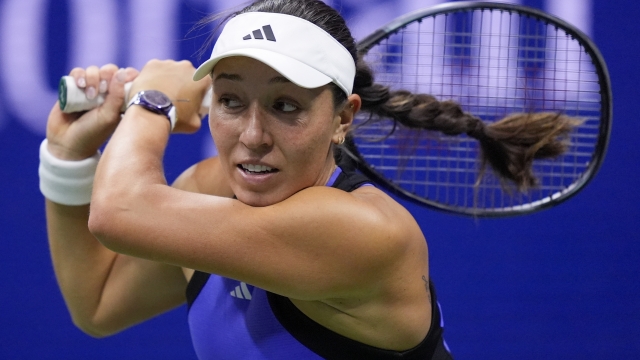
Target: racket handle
(73, 99)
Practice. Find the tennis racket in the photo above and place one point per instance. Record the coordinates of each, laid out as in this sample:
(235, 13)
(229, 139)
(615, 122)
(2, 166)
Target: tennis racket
(493, 59)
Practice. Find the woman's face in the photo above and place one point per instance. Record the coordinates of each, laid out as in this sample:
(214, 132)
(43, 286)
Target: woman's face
(273, 137)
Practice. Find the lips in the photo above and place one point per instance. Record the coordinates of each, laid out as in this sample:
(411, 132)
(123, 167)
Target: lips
(257, 169)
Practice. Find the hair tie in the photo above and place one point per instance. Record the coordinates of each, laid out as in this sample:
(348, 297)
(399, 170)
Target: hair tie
(477, 127)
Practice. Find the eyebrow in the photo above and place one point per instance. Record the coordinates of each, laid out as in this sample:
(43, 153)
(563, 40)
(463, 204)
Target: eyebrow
(232, 77)
(236, 77)
(279, 80)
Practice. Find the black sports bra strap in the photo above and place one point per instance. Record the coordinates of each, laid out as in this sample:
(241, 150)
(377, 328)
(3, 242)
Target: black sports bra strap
(349, 179)
(195, 285)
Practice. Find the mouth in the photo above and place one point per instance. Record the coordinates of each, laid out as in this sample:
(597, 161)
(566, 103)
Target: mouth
(257, 169)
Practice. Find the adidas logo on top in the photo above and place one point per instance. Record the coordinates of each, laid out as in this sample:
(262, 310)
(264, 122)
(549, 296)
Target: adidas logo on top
(241, 292)
(259, 35)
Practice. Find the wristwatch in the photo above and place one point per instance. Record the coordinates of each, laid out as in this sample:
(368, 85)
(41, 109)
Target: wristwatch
(156, 102)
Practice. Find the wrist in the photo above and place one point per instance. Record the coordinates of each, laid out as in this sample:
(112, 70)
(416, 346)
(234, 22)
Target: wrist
(145, 121)
(63, 153)
(155, 102)
(66, 182)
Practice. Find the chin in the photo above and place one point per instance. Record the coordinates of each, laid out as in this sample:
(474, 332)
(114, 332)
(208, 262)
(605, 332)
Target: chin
(258, 200)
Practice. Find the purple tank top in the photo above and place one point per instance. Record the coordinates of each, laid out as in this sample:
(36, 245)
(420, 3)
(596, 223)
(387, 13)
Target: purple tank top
(229, 319)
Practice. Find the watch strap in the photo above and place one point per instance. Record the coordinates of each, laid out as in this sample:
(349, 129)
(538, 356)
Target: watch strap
(171, 114)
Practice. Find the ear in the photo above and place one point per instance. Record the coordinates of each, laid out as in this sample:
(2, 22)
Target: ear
(344, 117)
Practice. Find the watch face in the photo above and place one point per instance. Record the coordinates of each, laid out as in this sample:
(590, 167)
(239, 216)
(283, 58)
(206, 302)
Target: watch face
(156, 98)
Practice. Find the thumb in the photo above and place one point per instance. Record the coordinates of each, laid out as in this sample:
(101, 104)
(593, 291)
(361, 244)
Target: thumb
(117, 96)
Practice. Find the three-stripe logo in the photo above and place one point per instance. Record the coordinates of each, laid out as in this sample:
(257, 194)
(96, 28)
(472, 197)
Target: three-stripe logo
(258, 35)
(241, 292)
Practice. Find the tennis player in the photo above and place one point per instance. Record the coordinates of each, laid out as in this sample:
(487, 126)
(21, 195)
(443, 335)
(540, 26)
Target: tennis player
(282, 249)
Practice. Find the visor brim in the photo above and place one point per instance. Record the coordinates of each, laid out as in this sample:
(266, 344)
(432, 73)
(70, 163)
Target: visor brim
(297, 72)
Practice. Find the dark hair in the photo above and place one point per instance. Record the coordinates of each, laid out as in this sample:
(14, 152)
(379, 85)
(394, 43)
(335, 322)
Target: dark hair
(509, 145)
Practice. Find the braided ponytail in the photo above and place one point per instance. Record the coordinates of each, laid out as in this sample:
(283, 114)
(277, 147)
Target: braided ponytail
(509, 145)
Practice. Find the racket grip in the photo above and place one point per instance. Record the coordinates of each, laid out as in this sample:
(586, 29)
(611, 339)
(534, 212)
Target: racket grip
(73, 99)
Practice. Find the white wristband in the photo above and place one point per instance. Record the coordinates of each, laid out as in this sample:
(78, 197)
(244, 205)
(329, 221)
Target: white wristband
(66, 182)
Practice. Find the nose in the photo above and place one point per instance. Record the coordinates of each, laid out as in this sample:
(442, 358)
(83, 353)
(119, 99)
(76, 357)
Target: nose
(255, 135)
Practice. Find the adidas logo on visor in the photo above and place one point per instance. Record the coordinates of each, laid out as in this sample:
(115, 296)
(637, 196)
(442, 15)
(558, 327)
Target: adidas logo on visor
(258, 35)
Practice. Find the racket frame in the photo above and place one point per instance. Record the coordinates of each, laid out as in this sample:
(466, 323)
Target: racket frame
(363, 46)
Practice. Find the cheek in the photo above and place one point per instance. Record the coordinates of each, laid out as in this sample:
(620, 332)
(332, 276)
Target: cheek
(221, 131)
(307, 146)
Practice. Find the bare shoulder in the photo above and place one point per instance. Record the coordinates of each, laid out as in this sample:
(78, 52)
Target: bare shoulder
(391, 212)
(204, 177)
(374, 221)
(383, 203)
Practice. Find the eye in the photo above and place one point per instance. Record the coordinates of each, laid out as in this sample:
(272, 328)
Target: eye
(285, 106)
(230, 103)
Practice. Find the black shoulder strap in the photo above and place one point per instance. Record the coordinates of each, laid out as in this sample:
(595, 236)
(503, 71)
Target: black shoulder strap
(195, 285)
(350, 179)
(331, 345)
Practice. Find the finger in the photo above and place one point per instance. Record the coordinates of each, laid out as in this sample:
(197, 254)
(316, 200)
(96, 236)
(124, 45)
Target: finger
(195, 122)
(79, 75)
(196, 89)
(186, 64)
(116, 95)
(106, 73)
(189, 126)
(204, 88)
(93, 81)
(130, 75)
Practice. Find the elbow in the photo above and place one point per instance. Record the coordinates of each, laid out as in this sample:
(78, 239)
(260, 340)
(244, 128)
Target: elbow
(105, 220)
(100, 216)
(115, 220)
(93, 332)
(92, 328)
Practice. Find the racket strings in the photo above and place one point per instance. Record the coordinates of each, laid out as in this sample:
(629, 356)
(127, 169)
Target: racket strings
(494, 64)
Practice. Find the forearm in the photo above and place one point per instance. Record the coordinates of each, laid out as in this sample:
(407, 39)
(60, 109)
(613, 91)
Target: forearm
(106, 292)
(81, 263)
(129, 169)
(133, 157)
(88, 272)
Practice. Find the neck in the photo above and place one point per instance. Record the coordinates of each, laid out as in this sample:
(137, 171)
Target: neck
(327, 170)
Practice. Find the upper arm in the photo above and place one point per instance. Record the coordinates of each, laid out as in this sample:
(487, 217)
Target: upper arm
(326, 243)
(204, 177)
(342, 244)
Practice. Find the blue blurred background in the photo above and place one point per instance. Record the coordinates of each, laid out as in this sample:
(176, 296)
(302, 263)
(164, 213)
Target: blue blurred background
(558, 284)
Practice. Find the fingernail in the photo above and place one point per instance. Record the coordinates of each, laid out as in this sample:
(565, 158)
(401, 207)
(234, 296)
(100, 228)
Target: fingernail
(121, 75)
(82, 82)
(103, 86)
(90, 92)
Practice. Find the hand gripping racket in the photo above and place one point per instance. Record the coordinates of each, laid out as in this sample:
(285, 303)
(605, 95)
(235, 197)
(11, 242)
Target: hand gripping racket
(494, 60)
(73, 99)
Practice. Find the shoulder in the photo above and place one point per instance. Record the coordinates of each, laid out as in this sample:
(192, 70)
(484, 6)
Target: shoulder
(397, 222)
(366, 200)
(382, 203)
(204, 177)
(372, 221)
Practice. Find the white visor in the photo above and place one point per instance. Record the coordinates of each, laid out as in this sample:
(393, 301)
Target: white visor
(299, 50)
